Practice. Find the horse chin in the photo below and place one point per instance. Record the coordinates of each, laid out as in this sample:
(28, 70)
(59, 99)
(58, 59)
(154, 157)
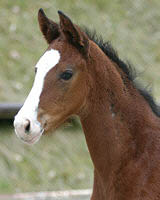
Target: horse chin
(52, 126)
(33, 140)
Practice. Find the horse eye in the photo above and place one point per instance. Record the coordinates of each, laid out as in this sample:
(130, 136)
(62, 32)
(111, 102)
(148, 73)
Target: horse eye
(66, 75)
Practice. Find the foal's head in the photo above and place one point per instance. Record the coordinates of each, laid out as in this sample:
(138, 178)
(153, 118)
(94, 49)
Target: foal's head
(61, 82)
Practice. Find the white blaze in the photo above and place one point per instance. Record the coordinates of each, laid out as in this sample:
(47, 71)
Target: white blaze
(46, 62)
(29, 109)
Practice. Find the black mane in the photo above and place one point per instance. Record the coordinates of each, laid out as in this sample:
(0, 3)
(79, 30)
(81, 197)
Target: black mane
(125, 67)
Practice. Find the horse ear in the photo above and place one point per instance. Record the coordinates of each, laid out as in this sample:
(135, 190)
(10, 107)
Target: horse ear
(49, 29)
(73, 33)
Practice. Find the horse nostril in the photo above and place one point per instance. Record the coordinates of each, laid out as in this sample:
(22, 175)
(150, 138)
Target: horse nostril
(27, 126)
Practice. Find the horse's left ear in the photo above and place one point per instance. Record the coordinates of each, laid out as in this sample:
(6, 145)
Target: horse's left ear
(74, 34)
(49, 29)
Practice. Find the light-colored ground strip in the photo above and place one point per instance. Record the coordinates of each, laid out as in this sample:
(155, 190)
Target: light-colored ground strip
(59, 195)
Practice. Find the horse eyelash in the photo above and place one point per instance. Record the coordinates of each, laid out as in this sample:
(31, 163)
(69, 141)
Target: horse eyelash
(65, 72)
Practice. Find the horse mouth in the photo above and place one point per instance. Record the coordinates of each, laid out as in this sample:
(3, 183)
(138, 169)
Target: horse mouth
(34, 139)
(51, 123)
(50, 127)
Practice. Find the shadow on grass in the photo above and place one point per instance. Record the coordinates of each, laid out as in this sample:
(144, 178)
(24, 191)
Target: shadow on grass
(6, 124)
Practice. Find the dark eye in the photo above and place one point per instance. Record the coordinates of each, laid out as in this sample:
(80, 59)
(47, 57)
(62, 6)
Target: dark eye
(66, 75)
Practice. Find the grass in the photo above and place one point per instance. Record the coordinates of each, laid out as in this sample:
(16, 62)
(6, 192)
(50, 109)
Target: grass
(61, 161)
(55, 163)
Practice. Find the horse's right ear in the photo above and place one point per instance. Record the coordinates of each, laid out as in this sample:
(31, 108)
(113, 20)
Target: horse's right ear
(49, 29)
(73, 34)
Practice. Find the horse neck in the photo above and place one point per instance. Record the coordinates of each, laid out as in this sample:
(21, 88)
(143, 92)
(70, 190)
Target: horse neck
(117, 113)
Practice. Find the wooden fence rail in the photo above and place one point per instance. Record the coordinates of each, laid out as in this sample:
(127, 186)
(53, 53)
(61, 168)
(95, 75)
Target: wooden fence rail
(9, 110)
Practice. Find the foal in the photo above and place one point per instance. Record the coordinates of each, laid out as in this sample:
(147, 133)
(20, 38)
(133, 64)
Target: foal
(79, 75)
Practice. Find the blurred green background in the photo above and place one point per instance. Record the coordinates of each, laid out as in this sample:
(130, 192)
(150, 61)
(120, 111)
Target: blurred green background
(61, 161)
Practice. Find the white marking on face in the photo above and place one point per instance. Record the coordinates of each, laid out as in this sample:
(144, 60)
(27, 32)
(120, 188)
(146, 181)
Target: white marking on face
(30, 107)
